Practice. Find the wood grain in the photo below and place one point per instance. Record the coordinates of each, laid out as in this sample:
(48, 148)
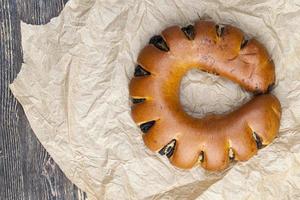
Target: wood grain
(26, 170)
(39, 11)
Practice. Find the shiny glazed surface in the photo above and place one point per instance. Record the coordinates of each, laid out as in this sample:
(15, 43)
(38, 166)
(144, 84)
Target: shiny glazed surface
(219, 51)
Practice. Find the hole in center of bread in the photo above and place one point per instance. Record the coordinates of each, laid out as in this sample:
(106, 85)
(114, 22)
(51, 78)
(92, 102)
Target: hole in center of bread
(202, 94)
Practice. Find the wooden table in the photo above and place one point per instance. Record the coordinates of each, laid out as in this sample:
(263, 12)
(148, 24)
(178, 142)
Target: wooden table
(26, 169)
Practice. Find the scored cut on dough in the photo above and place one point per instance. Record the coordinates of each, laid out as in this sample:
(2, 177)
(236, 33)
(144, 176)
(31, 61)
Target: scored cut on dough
(213, 140)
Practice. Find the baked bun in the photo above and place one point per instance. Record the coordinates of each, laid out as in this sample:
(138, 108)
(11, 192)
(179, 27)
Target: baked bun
(213, 140)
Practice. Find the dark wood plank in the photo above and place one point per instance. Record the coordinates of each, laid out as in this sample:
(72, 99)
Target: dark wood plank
(12, 182)
(26, 169)
(39, 11)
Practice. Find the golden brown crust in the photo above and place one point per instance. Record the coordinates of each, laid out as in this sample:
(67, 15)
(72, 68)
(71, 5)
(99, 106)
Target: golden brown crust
(213, 135)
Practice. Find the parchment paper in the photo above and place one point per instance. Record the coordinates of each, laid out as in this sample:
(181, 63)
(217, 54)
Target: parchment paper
(73, 87)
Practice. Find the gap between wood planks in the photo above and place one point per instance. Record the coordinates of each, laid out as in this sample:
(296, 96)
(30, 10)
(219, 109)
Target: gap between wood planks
(26, 170)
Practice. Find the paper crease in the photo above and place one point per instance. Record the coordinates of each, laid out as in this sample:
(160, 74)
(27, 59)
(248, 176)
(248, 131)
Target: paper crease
(73, 86)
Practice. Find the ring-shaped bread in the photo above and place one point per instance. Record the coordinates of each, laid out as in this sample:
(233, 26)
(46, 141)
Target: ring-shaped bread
(213, 140)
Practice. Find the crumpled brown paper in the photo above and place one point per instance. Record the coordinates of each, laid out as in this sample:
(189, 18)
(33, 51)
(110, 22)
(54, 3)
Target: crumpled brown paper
(73, 87)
